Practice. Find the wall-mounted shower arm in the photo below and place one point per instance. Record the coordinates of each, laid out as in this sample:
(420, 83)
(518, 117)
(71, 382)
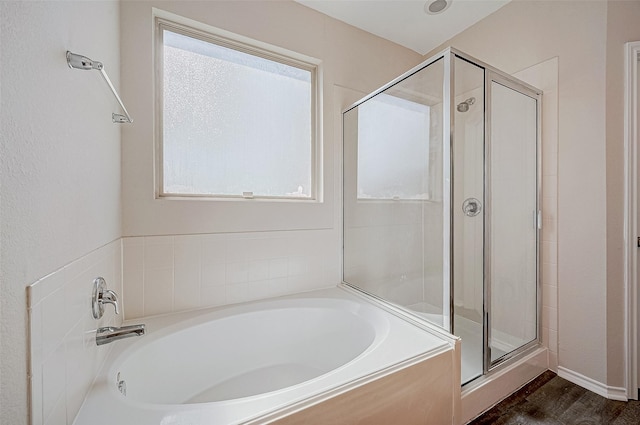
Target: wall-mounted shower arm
(116, 117)
(76, 61)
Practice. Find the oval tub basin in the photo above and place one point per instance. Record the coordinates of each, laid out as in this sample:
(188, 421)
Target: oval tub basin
(240, 364)
(249, 353)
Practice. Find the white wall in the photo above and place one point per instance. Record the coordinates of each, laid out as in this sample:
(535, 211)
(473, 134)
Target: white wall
(59, 159)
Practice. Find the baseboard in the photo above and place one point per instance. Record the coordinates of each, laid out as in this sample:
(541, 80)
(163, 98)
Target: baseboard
(612, 393)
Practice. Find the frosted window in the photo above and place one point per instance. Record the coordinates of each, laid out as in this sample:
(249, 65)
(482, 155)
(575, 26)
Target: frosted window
(234, 122)
(393, 149)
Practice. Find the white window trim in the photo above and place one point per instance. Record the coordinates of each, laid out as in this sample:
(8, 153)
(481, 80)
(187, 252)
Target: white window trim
(175, 23)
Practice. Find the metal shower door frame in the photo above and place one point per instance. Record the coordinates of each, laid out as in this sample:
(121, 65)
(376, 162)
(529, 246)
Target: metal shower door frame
(491, 75)
(498, 77)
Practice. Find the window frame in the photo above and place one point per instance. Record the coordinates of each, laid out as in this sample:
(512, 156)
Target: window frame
(252, 47)
(372, 199)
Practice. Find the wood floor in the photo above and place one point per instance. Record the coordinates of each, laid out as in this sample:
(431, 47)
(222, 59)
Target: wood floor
(551, 400)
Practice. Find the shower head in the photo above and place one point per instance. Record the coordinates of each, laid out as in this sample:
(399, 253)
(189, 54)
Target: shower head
(464, 106)
(76, 61)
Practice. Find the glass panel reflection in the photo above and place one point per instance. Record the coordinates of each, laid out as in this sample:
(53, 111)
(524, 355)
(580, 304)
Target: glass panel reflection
(393, 209)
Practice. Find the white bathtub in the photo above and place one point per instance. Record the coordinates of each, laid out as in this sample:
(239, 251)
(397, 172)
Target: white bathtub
(237, 364)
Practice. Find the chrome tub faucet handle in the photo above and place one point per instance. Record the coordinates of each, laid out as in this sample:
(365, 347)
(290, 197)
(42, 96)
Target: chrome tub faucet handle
(102, 296)
(110, 297)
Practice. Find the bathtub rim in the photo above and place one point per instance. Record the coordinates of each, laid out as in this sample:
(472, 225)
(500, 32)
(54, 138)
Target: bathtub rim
(401, 313)
(453, 344)
(380, 328)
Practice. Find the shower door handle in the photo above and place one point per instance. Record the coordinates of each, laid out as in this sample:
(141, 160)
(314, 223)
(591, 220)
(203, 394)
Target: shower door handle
(471, 207)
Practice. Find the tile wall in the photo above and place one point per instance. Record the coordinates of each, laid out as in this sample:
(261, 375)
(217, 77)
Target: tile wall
(164, 274)
(64, 358)
(550, 246)
(384, 243)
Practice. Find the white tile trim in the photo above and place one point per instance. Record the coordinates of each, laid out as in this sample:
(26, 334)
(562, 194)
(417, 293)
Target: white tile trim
(64, 359)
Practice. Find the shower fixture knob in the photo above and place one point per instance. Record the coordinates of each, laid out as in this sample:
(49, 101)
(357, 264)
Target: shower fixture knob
(471, 207)
(101, 296)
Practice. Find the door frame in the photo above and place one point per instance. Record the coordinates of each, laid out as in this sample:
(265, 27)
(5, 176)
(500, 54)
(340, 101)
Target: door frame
(632, 54)
(535, 94)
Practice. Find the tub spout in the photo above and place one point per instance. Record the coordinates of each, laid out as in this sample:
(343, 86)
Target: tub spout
(111, 333)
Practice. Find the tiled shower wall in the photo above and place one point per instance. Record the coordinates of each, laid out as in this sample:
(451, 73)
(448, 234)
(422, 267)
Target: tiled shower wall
(64, 357)
(164, 274)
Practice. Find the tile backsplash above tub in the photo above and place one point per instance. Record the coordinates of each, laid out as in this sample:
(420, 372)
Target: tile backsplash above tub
(155, 275)
(64, 357)
(164, 274)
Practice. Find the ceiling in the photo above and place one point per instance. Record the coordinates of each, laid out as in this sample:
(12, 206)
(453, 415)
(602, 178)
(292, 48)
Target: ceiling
(405, 21)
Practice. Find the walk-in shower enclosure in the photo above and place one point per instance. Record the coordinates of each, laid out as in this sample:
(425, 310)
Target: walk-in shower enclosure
(442, 206)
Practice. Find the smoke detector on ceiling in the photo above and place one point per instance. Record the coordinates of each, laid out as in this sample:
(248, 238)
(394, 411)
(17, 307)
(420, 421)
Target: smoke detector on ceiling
(435, 7)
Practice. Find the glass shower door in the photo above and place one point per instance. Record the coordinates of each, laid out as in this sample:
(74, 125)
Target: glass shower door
(512, 222)
(468, 214)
